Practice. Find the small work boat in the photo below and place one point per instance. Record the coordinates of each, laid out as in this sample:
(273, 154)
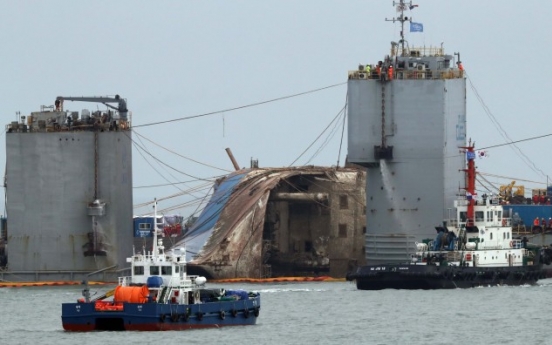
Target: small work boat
(159, 296)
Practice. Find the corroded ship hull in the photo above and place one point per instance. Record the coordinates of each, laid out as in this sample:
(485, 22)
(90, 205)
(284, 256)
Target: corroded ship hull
(274, 222)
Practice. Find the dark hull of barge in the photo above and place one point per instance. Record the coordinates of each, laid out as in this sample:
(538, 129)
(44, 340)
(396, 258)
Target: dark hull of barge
(430, 277)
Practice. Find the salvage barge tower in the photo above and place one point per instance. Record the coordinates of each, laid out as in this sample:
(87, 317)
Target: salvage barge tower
(406, 122)
(69, 193)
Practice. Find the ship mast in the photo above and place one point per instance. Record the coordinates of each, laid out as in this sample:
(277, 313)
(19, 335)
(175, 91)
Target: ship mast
(401, 7)
(470, 182)
(155, 250)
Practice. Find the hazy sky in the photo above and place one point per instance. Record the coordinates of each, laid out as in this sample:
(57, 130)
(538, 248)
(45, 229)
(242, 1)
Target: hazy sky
(174, 59)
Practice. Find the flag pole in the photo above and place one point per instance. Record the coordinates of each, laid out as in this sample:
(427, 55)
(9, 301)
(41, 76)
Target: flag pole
(401, 7)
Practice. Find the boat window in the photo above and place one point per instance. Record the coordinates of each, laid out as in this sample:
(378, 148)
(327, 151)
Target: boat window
(138, 270)
(504, 236)
(479, 216)
(508, 236)
(490, 235)
(499, 215)
(154, 270)
(166, 270)
(489, 216)
(463, 216)
(144, 226)
(176, 269)
(182, 271)
(160, 222)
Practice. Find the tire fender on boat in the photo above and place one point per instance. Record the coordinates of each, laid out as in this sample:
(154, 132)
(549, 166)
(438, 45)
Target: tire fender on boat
(174, 317)
(162, 317)
(246, 313)
(222, 315)
(256, 312)
(234, 312)
(199, 316)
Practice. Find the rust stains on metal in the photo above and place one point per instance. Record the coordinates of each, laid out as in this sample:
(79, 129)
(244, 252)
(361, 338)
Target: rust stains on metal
(303, 221)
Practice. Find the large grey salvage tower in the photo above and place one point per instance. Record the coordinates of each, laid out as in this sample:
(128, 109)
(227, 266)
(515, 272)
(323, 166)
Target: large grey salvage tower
(69, 192)
(407, 120)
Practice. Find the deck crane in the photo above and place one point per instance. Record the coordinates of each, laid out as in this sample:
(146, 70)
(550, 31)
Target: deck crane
(508, 193)
(121, 108)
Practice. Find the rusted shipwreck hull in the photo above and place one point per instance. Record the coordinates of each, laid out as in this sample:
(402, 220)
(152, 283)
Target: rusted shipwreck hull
(263, 223)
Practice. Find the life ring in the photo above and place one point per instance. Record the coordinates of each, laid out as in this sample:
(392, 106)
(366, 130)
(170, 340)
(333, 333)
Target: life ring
(234, 312)
(222, 315)
(511, 244)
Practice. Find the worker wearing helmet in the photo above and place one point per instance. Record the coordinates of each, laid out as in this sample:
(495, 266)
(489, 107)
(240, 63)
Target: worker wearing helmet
(368, 70)
(536, 226)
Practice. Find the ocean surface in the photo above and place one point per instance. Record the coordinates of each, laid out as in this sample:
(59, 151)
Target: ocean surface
(315, 313)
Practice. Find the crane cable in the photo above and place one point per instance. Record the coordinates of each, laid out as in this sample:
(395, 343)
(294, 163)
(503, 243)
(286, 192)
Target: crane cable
(240, 107)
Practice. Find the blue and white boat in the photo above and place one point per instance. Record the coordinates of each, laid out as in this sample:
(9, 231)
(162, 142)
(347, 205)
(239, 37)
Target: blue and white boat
(159, 295)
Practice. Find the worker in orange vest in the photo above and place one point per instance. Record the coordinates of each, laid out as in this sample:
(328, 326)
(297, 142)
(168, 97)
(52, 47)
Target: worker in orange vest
(536, 225)
(390, 72)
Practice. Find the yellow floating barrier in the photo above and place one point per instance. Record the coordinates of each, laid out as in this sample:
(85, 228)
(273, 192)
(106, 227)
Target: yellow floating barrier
(60, 283)
(230, 280)
(278, 280)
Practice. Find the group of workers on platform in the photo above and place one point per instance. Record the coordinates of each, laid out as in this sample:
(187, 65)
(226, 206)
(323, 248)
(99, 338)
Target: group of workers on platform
(380, 71)
(540, 199)
(541, 225)
(385, 71)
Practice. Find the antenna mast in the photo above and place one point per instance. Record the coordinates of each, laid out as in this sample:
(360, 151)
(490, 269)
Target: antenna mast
(155, 250)
(401, 7)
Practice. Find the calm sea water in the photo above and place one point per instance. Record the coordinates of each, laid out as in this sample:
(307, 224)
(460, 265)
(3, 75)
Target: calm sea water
(315, 313)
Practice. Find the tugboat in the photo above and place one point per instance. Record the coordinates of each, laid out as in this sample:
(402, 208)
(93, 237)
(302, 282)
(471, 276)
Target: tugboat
(475, 248)
(159, 296)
